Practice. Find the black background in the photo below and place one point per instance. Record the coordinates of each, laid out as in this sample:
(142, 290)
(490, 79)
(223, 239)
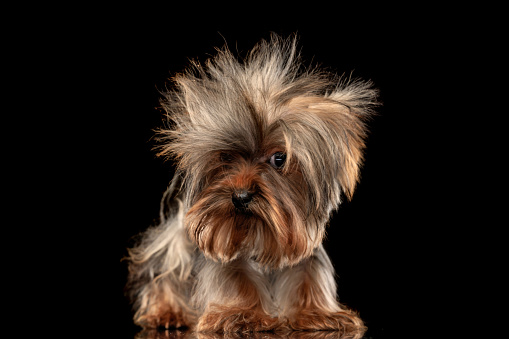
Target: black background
(384, 243)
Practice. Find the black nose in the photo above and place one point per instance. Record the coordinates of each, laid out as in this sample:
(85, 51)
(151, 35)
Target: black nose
(241, 199)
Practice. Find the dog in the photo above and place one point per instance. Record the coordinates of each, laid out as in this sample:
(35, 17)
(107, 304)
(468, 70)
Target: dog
(264, 150)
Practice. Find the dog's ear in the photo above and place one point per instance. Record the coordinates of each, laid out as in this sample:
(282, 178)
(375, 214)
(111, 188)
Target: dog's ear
(357, 98)
(328, 135)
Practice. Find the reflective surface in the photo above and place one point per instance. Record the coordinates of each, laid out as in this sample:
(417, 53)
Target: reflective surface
(180, 334)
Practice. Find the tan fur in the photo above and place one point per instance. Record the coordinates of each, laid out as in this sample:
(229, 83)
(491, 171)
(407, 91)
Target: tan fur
(216, 265)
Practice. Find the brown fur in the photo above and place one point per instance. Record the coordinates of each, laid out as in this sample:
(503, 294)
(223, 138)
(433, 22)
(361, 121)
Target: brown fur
(219, 267)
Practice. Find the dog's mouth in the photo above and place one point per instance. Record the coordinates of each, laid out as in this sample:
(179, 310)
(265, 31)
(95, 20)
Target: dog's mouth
(245, 211)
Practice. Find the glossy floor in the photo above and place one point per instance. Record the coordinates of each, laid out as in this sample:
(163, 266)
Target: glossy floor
(178, 334)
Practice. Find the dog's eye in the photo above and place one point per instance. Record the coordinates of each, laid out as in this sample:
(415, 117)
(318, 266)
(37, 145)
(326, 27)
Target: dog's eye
(277, 160)
(226, 157)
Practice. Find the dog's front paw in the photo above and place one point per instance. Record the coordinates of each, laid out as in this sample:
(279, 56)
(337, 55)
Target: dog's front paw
(346, 322)
(164, 317)
(221, 319)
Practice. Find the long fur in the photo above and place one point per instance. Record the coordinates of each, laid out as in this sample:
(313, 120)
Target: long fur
(206, 265)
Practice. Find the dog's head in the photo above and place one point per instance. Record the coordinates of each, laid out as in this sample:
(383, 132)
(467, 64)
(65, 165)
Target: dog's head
(265, 151)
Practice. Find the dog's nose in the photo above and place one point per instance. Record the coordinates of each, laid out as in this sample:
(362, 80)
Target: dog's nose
(242, 198)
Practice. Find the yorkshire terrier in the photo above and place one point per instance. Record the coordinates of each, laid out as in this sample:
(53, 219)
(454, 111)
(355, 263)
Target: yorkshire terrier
(264, 152)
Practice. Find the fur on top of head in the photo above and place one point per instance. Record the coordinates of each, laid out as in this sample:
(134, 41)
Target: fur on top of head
(253, 106)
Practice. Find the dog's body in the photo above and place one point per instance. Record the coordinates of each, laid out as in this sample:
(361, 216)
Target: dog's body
(264, 152)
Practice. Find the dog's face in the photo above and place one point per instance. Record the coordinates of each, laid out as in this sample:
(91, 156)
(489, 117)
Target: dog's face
(264, 154)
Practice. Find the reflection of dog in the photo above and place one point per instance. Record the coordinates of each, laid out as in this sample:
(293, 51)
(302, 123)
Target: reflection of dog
(264, 151)
(179, 334)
